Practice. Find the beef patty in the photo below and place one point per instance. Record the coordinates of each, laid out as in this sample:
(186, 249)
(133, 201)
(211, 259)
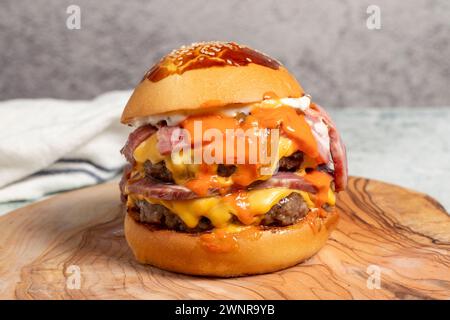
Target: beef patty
(291, 163)
(157, 214)
(286, 212)
(226, 170)
(158, 171)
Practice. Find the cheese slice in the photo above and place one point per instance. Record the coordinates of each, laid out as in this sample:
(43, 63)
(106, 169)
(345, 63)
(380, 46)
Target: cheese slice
(181, 170)
(148, 150)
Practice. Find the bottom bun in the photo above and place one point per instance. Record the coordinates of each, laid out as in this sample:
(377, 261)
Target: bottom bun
(252, 250)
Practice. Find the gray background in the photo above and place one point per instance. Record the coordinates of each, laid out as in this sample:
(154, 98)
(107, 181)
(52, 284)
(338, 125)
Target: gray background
(325, 44)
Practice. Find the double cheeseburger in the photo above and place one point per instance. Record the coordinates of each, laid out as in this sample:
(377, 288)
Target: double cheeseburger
(235, 214)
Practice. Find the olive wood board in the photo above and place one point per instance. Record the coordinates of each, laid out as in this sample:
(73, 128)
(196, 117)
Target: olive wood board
(390, 243)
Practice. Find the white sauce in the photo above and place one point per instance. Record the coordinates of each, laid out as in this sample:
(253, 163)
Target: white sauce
(301, 103)
(171, 120)
(297, 103)
(232, 112)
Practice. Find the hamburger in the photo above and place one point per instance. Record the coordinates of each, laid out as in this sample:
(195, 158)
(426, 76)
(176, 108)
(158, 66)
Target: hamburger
(232, 168)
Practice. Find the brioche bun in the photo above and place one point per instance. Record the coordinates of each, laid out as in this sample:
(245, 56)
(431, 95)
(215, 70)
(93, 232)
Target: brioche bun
(209, 75)
(257, 250)
(198, 79)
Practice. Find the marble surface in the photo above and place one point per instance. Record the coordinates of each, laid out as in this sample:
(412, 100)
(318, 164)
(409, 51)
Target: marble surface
(326, 44)
(407, 147)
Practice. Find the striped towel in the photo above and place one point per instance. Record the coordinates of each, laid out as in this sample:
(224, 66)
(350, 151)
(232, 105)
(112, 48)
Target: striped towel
(48, 145)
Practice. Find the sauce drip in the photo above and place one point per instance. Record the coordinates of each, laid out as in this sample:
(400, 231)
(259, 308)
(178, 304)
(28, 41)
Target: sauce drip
(206, 55)
(239, 201)
(219, 241)
(293, 125)
(321, 181)
(223, 241)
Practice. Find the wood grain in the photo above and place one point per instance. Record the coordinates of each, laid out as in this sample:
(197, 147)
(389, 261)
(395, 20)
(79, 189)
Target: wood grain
(404, 233)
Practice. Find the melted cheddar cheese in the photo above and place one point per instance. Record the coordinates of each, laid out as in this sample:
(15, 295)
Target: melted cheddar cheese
(248, 206)
(181, 170)
(219, 210)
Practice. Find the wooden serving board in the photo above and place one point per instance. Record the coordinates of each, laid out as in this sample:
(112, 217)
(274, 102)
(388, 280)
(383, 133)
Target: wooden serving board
(402, 235)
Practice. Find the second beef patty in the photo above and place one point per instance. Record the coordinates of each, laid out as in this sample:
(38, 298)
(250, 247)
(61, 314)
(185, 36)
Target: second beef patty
(286, 212)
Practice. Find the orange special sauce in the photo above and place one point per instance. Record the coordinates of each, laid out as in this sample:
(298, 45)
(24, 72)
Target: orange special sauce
(292, 124)
(321, 181)
(286, 118)
(219, 241)
(205, 55)
(223, 241)
(239, 201)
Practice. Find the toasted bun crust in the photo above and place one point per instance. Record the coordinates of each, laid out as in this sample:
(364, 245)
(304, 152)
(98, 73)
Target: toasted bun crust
(256, 250)
(209, 75)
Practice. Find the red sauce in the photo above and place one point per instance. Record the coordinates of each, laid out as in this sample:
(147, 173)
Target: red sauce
(205, 55)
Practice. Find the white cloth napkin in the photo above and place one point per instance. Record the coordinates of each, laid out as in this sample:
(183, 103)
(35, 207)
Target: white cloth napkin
(49, 145)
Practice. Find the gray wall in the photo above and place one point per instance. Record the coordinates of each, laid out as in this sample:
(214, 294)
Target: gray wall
(326, 45)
